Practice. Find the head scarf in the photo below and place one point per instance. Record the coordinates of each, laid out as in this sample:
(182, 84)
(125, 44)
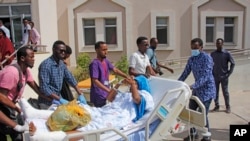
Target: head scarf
(143, 83)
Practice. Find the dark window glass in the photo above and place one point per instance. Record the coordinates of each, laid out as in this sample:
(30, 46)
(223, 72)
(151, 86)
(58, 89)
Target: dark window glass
(162, 30)
(89, 31)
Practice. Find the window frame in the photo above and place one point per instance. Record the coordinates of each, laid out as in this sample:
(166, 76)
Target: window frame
(165, 26)
(110, 26)
(170, 15)
(100, 30)
(229, 25)
(211, 25)
(89, 27)
(219, 24)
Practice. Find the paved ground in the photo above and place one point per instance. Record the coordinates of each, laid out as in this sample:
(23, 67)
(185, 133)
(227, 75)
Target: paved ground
(239, 87)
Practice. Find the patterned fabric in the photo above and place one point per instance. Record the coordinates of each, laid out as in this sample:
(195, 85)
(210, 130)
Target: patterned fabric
(201, 67)
(51, 76)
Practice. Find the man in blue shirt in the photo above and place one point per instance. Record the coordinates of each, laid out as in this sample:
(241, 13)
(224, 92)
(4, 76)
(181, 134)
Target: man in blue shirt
(221, 73)
(152, 57)
(201, 65)
(52, 72)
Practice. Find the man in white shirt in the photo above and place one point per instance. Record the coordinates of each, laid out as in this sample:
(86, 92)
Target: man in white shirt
(5, 29)
(138, 62)
(26, 32)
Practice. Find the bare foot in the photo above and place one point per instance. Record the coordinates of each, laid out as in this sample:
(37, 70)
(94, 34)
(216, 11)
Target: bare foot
(32, 128)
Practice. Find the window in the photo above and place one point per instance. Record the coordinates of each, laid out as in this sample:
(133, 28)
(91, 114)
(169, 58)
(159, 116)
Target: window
(224, 26)
(210, 27)
(110, 31)
(89, 31)
(162, 30)
(229, 29)
(104, 26)
(12, 15)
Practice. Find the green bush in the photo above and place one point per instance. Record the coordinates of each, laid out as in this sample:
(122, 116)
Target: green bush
(122, 65)
(82, 70)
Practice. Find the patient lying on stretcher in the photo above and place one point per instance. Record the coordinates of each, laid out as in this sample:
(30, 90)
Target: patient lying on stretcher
(122, 108)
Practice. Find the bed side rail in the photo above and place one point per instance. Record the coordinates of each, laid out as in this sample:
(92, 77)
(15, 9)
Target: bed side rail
(168, 116)
(195, 118)
(93, 135)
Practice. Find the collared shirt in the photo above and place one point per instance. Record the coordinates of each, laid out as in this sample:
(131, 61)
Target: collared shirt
(139, 62)
(152, 57)
(221, 60)
(9, 78)
(35, 36)
(201, 67)
(99, 70)
(51, 76)
(25, 34)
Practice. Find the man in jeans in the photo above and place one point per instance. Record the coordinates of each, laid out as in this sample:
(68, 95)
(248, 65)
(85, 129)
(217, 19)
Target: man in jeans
(201, 65)
(221, 73)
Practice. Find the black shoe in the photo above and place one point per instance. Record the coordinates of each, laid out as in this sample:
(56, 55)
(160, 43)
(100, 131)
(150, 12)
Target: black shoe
(206, 139)
(228, 110)
(216, 109)
(191, 138)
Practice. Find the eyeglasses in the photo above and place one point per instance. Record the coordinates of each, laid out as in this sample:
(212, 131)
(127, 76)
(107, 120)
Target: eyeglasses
(62, 51)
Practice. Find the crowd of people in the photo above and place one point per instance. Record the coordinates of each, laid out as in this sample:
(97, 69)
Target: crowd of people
(209, 72)
(30, 36)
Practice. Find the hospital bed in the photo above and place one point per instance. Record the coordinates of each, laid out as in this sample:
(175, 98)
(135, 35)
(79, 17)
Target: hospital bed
(171, 99)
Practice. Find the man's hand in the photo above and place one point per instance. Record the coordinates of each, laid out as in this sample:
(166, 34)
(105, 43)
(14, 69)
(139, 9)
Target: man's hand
(18, 110)
(171, 70)
(63, 101)
(82, 99)
(57, 102)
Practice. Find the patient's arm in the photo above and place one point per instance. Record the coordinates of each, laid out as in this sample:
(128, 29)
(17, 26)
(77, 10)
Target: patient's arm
(134, 90)
(112, 93)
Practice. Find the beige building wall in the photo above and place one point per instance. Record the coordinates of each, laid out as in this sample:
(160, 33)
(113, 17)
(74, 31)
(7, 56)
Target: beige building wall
(61, 19)
(49, 33)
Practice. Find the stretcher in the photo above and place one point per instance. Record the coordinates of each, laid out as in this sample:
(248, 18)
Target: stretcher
(171, 110)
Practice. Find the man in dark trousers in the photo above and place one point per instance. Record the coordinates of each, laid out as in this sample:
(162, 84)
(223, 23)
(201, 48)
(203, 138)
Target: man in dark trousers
(221, 73)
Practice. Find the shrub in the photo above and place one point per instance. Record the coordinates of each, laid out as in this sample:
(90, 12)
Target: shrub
(82, 70)
(122, 65)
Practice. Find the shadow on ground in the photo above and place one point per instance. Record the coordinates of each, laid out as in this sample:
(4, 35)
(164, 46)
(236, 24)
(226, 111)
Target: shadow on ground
(217, 134)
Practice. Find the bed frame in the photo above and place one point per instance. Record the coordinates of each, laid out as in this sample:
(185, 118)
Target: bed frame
(171, 115)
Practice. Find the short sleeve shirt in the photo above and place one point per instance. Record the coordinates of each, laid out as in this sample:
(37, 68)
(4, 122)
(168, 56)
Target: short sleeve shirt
(26, 34)
(152, 57)
(139, 62)
(99, 70)
(9, 78)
